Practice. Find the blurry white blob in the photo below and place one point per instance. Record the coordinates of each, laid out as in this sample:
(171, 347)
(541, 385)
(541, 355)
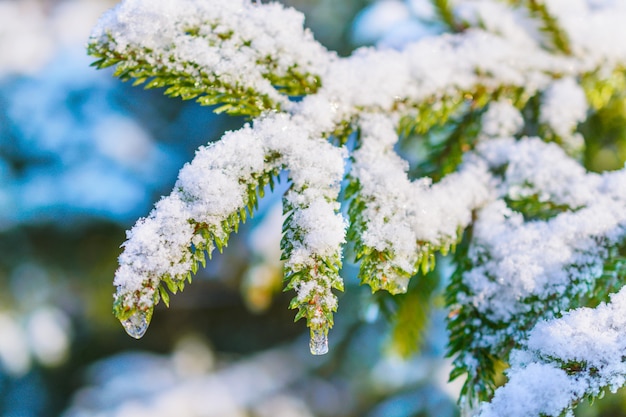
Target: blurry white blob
(373, 22)
(422, 9)
(25, 43)
(48, 330)
(14, 352)
(43, 335)
(192, 356)
(137, 385)
(30, 34)
(282, 406)
(394, 24)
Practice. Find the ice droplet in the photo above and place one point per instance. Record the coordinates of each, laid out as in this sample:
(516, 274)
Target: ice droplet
(319, 342)
(137, 324)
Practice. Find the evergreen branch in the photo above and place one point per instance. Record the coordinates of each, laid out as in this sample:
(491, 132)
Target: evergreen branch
(445, 13)
(575, 357)
(164, 249)
(205, 54)
(530, 277)
(395, 223)
(550, 25)
(188, 83)
(477, 363)
(313, 263)
(445, 155)
(312, 275)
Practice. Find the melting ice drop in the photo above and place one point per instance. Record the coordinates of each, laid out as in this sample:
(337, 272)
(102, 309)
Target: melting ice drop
(319, 342)
(137, 324)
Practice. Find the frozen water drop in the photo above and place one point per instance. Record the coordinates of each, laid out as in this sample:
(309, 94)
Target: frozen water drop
(319, 342)
(137, 324)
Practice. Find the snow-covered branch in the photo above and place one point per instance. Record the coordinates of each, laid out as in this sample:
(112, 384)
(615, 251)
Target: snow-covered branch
(539, 231)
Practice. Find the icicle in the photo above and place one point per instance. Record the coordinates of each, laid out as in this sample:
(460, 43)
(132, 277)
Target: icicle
(137, 324)
(319, 342)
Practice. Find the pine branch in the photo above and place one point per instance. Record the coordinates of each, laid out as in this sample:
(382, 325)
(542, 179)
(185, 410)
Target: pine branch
(502, 290)
(164, 249)
(311, 272)
(313, 237)
(549, 25)
(204, 54)
(393, 221)
(568, 359)
(445, 13)
(524, 262)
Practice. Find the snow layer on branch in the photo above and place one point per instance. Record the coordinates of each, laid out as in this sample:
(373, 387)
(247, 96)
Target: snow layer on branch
(231, 39)
(445, 65)
(597, 40)
(538, 382)
(534, 167)
(594, 337)
(506, 54)
(498, 18)
(155, 246)
(561, 118)
(216, 184)
(209, 189)
(539, 389)
(399, 213)
(501, 120)
(518, 260)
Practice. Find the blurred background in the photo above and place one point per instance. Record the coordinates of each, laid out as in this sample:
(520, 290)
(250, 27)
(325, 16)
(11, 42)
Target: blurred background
(82, 157)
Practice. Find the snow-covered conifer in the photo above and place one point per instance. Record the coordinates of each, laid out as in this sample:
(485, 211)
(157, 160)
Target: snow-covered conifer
(466, 142)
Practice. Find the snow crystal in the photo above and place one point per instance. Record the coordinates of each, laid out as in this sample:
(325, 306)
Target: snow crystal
(242, 37)
(400, 213)
(593, 42)
(534, 258)
(563, 118)
(501, 120)
(593, 338)
(538, 389)
(324, 229)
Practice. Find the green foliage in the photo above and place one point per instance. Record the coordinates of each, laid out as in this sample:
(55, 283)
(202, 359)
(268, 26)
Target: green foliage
(206, 89)
(607, 97)
(188, 80)
(411, 318)
(533, 207)
(444, 11)
(377, 268)
(317, 304)
(549, 25)
(463, 323)
(210, 238)
(467, 325)
(435, 136)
